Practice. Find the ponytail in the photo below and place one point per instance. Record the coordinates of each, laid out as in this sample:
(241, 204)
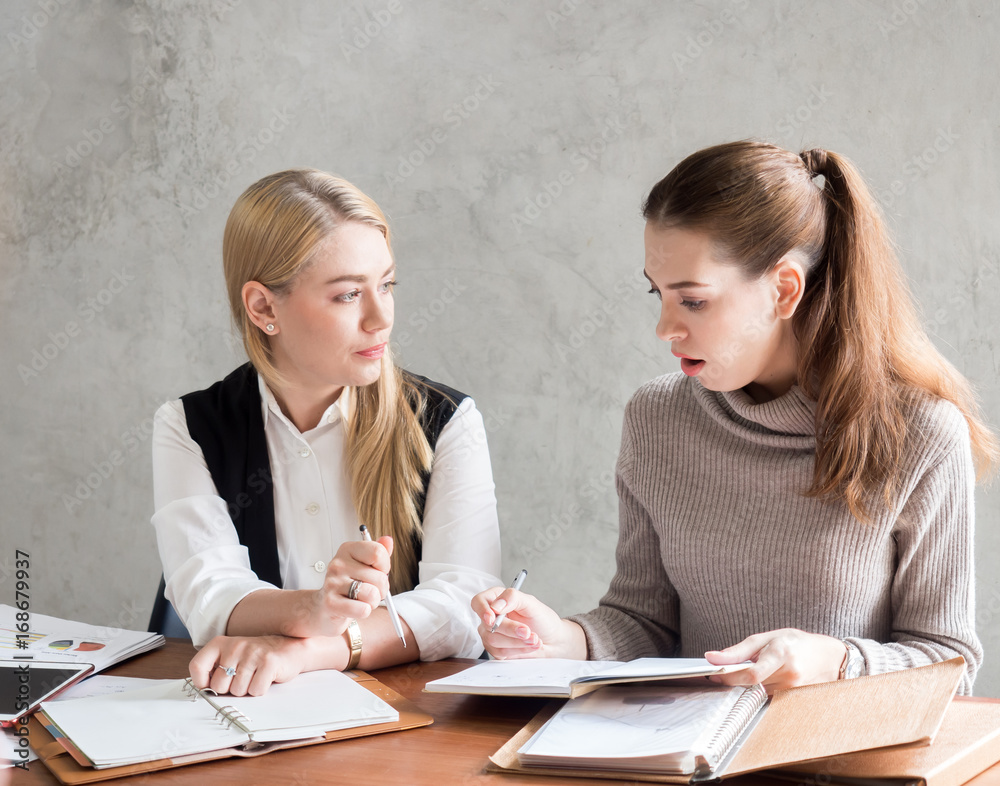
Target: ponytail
(849, 323)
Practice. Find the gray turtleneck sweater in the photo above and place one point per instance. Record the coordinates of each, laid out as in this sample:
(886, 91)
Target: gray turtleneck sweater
(717, 541)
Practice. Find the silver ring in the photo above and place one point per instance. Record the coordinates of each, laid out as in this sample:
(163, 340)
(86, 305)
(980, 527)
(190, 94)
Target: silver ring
(352, 593)
(230, 670)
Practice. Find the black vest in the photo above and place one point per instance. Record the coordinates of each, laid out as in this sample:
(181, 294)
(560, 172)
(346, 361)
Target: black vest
(226, 422)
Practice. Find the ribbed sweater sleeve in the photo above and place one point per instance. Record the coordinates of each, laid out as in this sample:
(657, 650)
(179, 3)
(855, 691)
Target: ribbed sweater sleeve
(933, 589)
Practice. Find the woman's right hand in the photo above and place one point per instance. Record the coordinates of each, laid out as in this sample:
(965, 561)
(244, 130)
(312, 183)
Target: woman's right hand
(329, 609)
(530, 630)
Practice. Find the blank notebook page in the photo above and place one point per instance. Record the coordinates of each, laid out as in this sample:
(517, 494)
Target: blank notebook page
(163, 721)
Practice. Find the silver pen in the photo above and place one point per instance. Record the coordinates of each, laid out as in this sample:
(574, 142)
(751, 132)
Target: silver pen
(516, 585)
(396, 624)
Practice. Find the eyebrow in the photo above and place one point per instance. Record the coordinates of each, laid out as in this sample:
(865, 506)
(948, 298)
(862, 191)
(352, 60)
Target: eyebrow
(678, 285)
(357, 279)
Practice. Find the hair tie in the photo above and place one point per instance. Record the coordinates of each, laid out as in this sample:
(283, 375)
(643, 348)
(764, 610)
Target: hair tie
(815, 161)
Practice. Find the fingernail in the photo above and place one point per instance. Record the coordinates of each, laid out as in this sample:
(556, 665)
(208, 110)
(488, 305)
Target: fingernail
(499, 605)
(523, 632)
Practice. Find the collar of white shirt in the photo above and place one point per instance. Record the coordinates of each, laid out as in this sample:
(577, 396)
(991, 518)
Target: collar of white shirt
(338, 410)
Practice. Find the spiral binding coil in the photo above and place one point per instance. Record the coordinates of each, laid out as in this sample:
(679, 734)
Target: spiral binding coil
(231, 716)
(227, 715)
(743, 711)
(190, 690)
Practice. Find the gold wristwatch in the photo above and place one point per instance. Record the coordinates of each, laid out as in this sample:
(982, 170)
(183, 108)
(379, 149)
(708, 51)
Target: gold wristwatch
(353, 634)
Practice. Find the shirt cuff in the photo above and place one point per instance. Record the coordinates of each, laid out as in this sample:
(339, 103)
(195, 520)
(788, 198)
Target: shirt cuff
(440, 632)
(207, 616)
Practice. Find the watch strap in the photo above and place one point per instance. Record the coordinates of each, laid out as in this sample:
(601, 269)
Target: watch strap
(354, 641)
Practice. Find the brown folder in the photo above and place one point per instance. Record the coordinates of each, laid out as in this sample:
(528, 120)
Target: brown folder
(801, 724)
(967, 744)
(56, 756)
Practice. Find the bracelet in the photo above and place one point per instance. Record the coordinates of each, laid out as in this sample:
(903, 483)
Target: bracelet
(354, 642)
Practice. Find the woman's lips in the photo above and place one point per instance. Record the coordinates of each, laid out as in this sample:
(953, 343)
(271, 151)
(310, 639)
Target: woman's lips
(691, 367)
(374, 353)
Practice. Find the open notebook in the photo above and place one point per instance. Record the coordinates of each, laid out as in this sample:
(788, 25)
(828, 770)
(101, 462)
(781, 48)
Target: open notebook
(794, 725)
(564, 678)
(172, 718)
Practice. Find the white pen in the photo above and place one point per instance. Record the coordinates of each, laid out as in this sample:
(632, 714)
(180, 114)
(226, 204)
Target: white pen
(396, 624)
(516, 584)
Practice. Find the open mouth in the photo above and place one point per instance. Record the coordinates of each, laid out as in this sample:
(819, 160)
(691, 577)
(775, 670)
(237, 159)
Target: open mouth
(691, 367)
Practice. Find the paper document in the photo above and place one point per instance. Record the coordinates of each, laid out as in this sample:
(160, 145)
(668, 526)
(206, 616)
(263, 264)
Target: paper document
(558, 677)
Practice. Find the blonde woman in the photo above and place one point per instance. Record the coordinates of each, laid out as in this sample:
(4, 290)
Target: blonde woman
(262, 480)
(801, 495)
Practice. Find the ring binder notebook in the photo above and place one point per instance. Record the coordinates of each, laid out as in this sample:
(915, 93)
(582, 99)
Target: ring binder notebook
(70, 767)
(173, 718)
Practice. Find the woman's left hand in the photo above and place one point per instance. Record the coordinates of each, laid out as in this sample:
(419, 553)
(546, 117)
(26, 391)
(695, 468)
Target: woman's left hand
(781, 659)
(258, 661)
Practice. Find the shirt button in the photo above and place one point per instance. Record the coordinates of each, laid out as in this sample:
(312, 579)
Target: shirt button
(305, 453)
(320, 566)
(312, 508)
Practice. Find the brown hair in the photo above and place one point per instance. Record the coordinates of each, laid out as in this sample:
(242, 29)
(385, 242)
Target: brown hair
(272, 232)
(759, 203)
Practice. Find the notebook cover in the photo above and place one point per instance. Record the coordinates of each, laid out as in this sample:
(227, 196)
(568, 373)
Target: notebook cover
(967, 744)
(833, 718)
(55, 753)
(804, 723)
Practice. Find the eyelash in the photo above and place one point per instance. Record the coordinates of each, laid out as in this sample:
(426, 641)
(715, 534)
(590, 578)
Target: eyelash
(351, 297)
(693, 305)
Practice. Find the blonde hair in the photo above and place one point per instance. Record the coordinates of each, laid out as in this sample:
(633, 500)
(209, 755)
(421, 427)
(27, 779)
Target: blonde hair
(272, 232)
(863, 355)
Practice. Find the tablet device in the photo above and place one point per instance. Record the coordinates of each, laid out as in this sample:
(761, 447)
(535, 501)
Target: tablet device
(25, 684)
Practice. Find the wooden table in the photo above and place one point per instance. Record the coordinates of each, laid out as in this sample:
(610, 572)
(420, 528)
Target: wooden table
(453, 750)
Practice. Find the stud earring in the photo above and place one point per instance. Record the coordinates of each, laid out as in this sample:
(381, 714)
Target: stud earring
(270, 328)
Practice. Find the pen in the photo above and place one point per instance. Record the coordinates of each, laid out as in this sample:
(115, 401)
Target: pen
(516, 584)
(396, 624)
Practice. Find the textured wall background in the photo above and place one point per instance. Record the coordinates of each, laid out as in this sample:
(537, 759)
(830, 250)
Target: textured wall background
(511, 145)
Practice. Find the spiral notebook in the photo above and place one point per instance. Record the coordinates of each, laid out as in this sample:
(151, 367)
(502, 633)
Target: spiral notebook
(794, 725)
(632, 728)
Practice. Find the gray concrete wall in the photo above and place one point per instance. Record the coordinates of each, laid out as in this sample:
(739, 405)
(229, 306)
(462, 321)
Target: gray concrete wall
(511, 143)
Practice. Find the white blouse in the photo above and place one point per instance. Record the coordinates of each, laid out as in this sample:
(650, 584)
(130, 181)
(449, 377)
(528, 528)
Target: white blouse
(207, 570)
